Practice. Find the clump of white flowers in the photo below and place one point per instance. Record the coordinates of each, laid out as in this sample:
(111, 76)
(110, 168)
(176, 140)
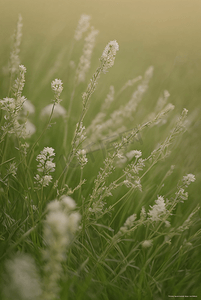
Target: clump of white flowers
(82, 27)
(108, 56)
(188, 179)
(12, 170)
(59, 228)
(19, 84)
(181, 194)
(45, 166)
(147, 243)
(22, 279)
(158, 210)
(13, 107)
(57, 87)
(134, 153)
(81, 156)
(132, 169)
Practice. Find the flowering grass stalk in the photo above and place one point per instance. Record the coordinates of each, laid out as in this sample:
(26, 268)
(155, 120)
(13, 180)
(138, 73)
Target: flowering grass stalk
(106, 62)
(14, 55)
(116, 122)
(13, 106)
(45, 166)
(57, 89)
(60, 225)
(22, 280)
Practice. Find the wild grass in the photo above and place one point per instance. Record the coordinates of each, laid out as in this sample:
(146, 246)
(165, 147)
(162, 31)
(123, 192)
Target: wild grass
(94, 203)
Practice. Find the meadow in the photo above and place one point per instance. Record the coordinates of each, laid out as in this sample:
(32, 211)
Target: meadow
(99, 146)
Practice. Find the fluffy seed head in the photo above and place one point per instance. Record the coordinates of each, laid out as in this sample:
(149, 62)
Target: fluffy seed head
(68, 203)
(45, 166)
(14, 55)
(23, 279)
(130, 220)
(147, 243)
(83, 25)
(133, 153)
(57, 87)
(158, 210)
(108, 56)
(188, 179)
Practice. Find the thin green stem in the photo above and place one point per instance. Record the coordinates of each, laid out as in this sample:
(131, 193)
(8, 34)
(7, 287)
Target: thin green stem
(42, 133)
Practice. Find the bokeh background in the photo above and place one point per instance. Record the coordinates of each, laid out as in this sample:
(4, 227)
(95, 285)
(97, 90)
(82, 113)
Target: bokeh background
(162, 33)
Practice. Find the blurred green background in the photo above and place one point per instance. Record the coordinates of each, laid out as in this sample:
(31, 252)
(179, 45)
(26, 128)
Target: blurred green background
(158, 32)
(162, 33)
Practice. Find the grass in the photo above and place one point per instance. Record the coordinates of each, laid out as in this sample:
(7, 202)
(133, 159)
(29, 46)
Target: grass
(106, 246)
